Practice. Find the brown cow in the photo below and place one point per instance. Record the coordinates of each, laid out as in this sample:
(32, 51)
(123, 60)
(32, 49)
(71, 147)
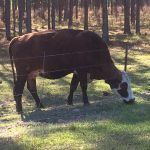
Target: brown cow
(56, 54)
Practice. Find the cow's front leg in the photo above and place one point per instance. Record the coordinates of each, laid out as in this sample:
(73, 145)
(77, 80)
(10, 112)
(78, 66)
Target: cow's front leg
(73, 87)
(83, 84)
(18, 90)
(31, 85)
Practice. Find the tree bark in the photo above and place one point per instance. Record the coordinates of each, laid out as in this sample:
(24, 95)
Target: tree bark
(60, 5)
(2, 9)
(127, 17)
(28, 18)
(70, 14)
(53, 13)
(77, 7)
(133, 12)
(14, 17)
(105, 30)
(85, 14)
(65, 10)
(7, 19)
(49, 5)
(20, 9)
(138, 16)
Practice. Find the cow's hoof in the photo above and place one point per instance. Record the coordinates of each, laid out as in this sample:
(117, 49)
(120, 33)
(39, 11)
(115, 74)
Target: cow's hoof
(86, 104)
(40, 106)
(20, 112)
(69, 103)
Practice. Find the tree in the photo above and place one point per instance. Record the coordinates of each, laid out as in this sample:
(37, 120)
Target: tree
(20, 9)
(70, 14)
(77, 7)
(127, 17)
(65, 10)
(138, 16)
(14, 17)
(28, 18)
(85, 14)
(133, 12)
(105, 30)
(7, 19)
(2, 10)
(49, 3)
(60, 8)
(53, 13)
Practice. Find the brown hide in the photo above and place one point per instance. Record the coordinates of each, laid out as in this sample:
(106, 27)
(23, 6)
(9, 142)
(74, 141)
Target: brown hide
(59, 53)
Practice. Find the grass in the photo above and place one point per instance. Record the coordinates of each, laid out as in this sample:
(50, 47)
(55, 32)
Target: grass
(107, 124)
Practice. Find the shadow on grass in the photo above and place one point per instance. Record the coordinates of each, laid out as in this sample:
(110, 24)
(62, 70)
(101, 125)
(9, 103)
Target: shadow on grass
(105, 108)
(10, 143)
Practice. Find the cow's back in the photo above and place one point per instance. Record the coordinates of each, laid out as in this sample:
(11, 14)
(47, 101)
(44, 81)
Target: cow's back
(65, 49)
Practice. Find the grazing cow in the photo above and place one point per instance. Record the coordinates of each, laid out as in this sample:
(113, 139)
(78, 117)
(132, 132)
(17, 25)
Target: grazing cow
(56, 54)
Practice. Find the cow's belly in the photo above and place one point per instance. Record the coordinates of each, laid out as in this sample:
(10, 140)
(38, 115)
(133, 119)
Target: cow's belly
(55, 75)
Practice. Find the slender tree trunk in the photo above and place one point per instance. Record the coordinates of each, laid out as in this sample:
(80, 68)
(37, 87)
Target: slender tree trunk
(20, 8)
(53, 13)
(105, 30)
(138, 16)
(127, 17)
(14, 17)
(133, 12)
(112, 7)
(28, 18)
(60, 5)
(49, 5)
(116, 9)
(77, 7)
(65, 10)
(7, 19)
(2, 10)
(85, 14)
(70, 14)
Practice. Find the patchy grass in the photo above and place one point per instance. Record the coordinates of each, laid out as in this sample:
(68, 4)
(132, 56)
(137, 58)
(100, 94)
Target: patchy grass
(106, 124)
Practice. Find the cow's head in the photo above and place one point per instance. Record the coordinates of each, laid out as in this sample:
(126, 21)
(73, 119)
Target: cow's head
(122, 87)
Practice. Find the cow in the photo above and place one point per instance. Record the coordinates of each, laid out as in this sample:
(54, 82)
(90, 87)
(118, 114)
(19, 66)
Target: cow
(55, 54)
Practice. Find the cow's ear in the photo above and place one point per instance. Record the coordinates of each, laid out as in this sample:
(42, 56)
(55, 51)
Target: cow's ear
(114, 84)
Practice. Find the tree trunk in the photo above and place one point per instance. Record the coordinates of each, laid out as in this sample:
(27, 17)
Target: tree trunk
(133, 12)
(70, 14)
(65, 10)
(77, 7)
(28, 18)
(2, 10)
(126, 17)
(7, 19)
(105, 34)
(53, 14)
(85, 14)
(20, 8)
(138, 16)
(14, 17)
(116, 9)
(49, 5)
(60, 5)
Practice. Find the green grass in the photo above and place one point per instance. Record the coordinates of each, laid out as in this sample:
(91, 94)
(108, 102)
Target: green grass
(107, 124)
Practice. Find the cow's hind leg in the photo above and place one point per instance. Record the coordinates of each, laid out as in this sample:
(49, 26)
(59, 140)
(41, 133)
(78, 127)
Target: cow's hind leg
(73, 87)
(18, 90)
(83, 84)
(31, 85)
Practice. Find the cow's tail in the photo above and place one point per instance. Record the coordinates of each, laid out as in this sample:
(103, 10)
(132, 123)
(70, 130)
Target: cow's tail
(11, 57)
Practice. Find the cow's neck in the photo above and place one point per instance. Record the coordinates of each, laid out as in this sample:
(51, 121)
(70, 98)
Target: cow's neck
(106, 72)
